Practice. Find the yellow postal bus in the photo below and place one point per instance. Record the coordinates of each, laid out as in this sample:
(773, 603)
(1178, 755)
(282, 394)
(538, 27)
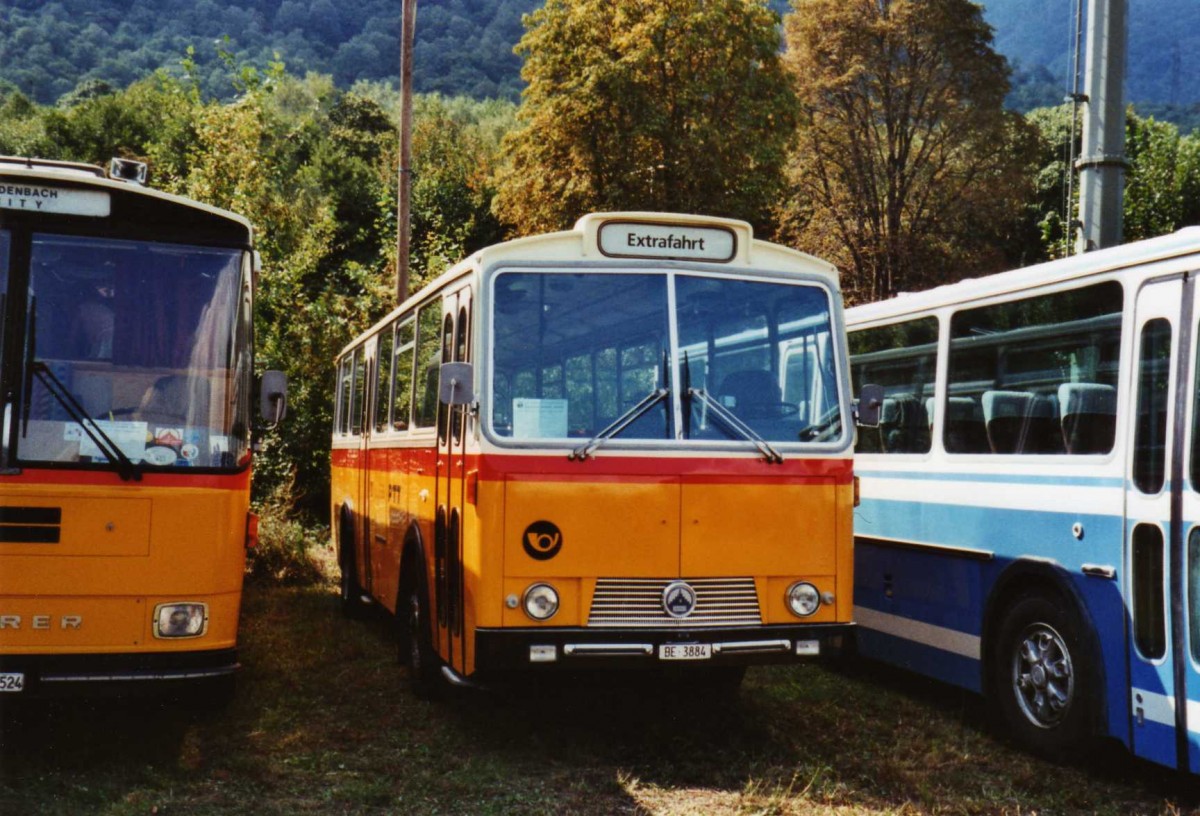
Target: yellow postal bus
(125, 375)
(626, 444)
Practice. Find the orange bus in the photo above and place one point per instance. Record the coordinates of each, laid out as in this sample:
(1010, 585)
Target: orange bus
(125, 377)
(622, 445)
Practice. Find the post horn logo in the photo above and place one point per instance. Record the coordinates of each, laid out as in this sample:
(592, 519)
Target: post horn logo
(678, 599)
(542, 540)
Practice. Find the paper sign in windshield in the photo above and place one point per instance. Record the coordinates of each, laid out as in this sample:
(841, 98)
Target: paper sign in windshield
(539, 418)
(130, 437)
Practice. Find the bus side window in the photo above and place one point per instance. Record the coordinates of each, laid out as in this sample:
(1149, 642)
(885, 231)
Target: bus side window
(383, 379)
(1010, 363)
(358, 396)
(1150, 432)
(345, 388)
(429, 355)
(902, 359)
(402, 365)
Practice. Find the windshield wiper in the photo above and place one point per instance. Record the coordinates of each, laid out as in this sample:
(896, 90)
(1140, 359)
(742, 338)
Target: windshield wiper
(126, 469)
(621, 423)
(737, 426)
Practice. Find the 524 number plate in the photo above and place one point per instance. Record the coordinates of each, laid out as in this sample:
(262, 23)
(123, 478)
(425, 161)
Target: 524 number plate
(12, 682)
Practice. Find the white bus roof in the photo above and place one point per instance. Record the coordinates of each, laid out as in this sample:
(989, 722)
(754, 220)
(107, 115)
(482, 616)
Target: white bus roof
(583, 243)
(1178, 244)
(40, 170)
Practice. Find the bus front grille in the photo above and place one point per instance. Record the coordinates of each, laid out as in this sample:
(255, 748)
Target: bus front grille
(633, 603)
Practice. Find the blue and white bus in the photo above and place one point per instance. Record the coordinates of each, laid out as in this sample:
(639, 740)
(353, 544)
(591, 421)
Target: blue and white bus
(1030, 517)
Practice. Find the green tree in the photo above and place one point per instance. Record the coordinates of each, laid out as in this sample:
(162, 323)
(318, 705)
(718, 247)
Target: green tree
(907, 170)
(314, 169)
(671, 105)
(1162, 182)
(1162, 178)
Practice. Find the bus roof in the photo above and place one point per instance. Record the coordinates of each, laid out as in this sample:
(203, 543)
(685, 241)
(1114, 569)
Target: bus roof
(583, 242)
(1178, 244)
(41, 170)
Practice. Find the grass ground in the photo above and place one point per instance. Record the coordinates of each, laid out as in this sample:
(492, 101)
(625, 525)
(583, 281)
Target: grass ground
(323, 723)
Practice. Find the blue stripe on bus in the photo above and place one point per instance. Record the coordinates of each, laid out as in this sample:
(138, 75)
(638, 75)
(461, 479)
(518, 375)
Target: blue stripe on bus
(1004, 532)
(994, 478)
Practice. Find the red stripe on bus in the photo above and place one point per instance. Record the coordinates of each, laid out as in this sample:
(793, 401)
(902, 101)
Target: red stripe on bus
(556, 467)
(104, 478)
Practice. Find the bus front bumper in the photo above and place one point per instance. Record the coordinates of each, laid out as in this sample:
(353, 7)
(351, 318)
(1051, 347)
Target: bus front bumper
(46, 676)
(505, 650)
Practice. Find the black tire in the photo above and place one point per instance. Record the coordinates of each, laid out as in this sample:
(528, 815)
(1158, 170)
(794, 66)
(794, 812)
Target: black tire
(349, 592)
(1042, 678)
(416, 646)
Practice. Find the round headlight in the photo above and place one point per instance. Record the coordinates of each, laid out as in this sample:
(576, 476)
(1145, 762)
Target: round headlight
(541, 602)
(803, 598)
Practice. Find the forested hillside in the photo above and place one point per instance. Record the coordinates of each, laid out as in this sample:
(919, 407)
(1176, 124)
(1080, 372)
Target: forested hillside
(465, 46)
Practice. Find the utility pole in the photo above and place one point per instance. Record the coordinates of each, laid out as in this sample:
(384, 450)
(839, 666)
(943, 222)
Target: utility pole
(408, 24)
(1102, 163)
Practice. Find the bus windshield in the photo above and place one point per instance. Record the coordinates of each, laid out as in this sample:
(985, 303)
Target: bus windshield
(150, 340)
(575, 352)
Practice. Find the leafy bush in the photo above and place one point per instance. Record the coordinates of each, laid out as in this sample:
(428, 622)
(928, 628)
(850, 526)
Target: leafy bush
(289, 553)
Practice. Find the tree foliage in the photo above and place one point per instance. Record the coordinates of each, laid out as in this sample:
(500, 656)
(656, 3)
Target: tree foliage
(907, 167)
(672, 105)
(1162, 178)
(314, 169)
(462, 46)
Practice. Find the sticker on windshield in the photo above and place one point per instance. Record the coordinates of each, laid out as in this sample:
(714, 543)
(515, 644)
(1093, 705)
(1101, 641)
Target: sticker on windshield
(129, 437)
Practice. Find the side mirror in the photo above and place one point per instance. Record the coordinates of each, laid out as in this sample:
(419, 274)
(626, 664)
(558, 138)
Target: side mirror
(870, 402)
(272, 404)
(457, 384)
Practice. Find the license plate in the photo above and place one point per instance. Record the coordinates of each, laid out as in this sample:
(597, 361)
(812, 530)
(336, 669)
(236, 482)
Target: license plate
(12, 681)
(685, 651)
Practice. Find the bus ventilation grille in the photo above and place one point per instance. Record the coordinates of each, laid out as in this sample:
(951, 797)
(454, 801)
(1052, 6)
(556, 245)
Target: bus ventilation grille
(633, 603)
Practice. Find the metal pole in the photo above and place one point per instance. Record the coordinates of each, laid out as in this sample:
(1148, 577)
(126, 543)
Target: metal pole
(1072, 224)
(408, 23)
(1102, 163)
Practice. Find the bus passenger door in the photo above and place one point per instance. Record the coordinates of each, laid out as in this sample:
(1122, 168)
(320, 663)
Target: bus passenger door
(451, 489)
(1188, 582)
(363, 497)
(1160, 510)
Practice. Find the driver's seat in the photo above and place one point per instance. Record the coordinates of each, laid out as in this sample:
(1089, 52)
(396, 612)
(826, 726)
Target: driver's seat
(751, 394)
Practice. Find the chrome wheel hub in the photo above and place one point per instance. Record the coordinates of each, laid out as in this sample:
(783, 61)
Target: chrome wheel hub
(1043, 678)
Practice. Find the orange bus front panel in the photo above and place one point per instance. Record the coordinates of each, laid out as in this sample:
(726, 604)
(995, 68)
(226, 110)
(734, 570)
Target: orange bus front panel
(588, 528)
(100, 571)
(759, 529)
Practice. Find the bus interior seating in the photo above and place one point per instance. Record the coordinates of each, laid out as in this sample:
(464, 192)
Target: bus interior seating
(174, 400)
(755, 397)
(1044, 434)
(965, 431)
(1004, 415)
(1089, 415)
(752, 394)
(904, 425)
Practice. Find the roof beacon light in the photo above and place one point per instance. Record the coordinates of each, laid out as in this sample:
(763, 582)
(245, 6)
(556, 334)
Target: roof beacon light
(128, 170)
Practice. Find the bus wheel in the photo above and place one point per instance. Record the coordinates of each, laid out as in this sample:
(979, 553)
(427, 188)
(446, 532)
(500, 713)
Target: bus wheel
(350, 593)
(1040, 677)
(424, 668)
